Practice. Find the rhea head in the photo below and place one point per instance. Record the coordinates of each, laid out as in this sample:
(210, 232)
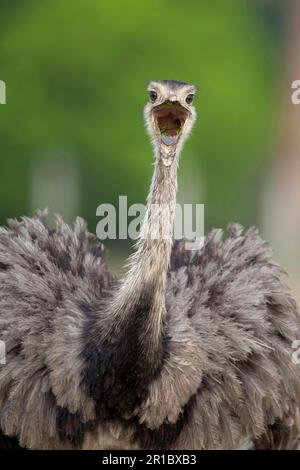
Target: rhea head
(169, 115)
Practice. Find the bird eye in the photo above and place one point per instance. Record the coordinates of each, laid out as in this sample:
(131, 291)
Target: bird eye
(152, 95)
(189, 99)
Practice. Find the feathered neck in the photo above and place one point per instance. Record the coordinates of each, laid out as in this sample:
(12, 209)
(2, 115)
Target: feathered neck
(142, 290)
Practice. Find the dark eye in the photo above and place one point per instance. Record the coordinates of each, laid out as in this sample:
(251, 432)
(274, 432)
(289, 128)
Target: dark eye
(189, 99)
(152, 95)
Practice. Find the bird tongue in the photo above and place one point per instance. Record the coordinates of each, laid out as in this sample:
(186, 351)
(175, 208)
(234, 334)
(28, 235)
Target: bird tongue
(168, 138)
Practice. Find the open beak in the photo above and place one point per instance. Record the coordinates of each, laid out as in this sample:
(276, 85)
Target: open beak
(170, 118)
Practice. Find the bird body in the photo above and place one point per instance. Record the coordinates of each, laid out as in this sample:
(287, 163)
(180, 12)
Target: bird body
(190, 350)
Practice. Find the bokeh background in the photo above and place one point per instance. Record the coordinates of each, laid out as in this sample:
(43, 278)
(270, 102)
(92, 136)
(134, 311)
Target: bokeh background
(72, 134)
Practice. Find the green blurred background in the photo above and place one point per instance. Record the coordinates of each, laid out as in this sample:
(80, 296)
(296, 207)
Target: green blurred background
(72, 134)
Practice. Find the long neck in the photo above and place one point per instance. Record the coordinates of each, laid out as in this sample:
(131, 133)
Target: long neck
(140, 300)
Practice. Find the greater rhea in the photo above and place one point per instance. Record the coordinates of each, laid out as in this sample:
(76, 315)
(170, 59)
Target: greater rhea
(190, 350)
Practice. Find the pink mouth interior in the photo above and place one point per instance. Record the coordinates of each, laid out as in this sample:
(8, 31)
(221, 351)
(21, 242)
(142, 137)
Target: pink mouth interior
(170, 119)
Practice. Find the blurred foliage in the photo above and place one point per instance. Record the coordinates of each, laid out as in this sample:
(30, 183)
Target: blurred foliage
(76, 74)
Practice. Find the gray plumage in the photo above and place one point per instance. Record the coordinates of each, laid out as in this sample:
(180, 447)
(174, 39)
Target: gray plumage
(191, 350)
